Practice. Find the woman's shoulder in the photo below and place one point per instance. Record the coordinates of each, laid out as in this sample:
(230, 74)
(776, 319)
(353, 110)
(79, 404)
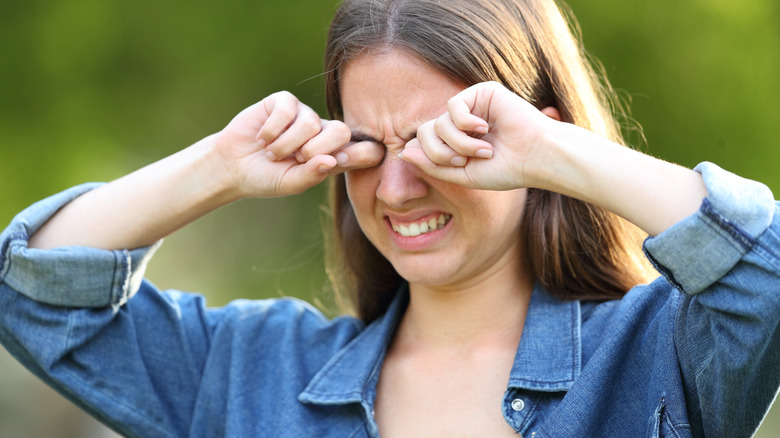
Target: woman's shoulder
(643, 300)
(287, 318)
(285, 312)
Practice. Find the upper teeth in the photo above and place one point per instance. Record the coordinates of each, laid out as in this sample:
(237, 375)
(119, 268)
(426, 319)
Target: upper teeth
(417, 228)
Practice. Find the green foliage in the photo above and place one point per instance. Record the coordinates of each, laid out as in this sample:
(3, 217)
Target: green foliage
(91, 90)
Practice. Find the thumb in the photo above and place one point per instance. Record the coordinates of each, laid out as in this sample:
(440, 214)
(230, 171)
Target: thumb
(413, 153)
(301, 177)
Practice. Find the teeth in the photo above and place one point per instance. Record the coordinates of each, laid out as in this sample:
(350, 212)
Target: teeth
(415, 229)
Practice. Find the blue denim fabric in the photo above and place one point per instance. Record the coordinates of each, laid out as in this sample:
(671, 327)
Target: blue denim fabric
(695, 353)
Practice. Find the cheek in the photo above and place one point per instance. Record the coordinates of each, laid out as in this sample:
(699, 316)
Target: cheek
(502, 210)
(361, 189)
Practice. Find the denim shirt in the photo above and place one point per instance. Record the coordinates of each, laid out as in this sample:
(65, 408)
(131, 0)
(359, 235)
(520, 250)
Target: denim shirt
(695, 353)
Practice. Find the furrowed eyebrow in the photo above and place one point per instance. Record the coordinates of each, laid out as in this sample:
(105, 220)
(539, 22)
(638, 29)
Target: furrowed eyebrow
(357, 137)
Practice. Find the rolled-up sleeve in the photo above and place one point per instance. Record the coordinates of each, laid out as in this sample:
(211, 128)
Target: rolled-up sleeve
(725, 258)
(69, 276)
(702, 248)
(67, 315)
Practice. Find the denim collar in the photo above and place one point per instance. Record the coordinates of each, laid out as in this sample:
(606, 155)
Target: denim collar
(548, 357)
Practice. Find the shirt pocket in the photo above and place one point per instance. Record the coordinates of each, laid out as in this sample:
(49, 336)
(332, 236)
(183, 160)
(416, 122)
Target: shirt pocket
(661, 426)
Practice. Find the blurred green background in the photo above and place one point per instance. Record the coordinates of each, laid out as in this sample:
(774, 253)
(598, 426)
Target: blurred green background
(92, 89)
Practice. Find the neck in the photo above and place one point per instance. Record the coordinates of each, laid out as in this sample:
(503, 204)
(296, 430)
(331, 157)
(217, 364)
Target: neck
(486, 312)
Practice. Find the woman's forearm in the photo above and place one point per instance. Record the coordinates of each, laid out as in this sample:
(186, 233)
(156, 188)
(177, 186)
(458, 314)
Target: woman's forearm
(651, 193)
(142, 207)
(276, 147)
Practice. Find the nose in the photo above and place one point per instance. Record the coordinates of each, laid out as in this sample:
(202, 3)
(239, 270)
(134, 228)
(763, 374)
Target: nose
(400, 182)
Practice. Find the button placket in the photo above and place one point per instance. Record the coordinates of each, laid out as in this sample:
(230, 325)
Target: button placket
(518, 407)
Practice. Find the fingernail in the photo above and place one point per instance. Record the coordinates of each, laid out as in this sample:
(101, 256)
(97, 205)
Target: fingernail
(458, 161)
(342, 158)
(484, 153)
(324, 168)
(299, 157)
(261, 143)
(271, 156)
(481, 130)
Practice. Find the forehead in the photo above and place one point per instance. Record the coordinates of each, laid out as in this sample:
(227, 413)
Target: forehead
(392, 93)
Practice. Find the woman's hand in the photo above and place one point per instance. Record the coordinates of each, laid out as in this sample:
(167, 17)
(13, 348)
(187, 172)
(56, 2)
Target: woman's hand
(276, 147)
(279, 146)
(489, 138)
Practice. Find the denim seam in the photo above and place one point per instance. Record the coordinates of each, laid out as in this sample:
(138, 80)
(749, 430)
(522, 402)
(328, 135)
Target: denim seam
(534, 407)
(5, 258)
(766, 252)
(576, 356)
(112, 294)
(111, 400)
(674, 426)
(127, 267)
(724, 224)
(719, 225)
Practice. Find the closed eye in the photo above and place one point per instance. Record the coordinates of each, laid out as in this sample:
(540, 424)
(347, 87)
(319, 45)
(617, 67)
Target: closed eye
(359, 138)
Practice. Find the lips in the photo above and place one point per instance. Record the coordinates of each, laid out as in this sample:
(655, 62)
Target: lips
(422, 226)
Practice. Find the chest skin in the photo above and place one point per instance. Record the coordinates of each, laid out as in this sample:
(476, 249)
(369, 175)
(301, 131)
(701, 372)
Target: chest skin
(444, 394)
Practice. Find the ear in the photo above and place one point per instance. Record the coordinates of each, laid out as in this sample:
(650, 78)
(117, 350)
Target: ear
(552, 112)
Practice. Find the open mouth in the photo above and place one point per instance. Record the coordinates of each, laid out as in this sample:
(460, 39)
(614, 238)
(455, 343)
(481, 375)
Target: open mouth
(413, 229)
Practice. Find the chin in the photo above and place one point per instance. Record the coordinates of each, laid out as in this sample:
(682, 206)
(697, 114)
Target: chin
(419, 275)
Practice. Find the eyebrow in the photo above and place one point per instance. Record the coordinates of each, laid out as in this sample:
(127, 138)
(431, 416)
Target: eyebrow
(358, 136)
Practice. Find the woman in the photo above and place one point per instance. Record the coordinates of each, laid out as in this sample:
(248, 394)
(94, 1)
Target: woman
(472, 218)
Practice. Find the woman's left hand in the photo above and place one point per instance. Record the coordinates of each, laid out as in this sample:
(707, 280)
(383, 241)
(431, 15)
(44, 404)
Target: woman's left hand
(492, 139)
(489, 138)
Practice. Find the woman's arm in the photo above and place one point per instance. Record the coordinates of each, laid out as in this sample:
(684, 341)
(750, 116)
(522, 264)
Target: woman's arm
(276, 147)
(720, 252)
(529, 148)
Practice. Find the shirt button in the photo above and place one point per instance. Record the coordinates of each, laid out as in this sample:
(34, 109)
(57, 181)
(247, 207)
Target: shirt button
(518, 404)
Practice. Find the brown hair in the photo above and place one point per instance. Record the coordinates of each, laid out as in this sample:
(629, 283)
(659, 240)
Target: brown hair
(574, 249)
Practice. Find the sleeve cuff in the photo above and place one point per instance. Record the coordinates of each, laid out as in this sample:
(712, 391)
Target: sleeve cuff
(699, 250)
(68, 276)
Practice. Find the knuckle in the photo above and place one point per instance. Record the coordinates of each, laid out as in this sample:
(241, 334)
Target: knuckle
(287, 112)
(437, 155)
(438, 124)
(311, 124)
(284, 94)
(340, 131)
(453, 102)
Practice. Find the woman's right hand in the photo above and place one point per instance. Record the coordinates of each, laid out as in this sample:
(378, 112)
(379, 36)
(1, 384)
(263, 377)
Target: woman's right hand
(279, 146)
(276, 147)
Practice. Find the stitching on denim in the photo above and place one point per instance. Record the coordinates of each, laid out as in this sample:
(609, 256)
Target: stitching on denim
(4, 259)
(732, 229)
(576, 356)
(112, 299)
(537, 399)
(660, 268)
(127, 267)
(768, 252)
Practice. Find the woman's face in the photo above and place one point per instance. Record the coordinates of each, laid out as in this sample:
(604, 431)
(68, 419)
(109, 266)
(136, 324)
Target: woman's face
(434, 233)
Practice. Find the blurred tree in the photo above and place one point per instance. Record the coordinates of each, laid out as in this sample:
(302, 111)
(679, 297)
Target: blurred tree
(91, 90)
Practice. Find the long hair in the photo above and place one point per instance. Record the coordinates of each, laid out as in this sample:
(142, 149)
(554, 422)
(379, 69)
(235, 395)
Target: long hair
(574, 249)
